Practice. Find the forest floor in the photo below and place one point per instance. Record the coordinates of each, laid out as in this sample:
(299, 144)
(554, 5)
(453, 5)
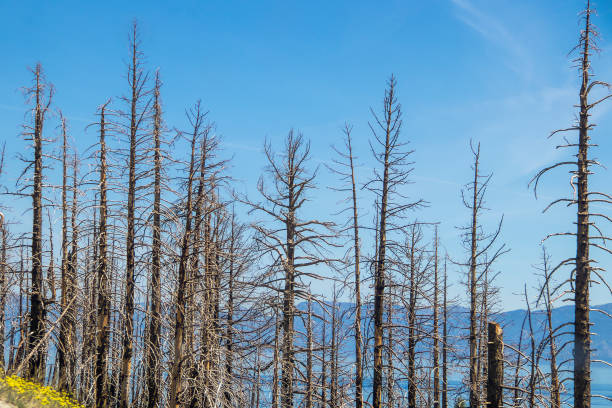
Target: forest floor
(17, 392)
(4, 404)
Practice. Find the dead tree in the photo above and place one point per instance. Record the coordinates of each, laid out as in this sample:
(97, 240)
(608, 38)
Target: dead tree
(67, 337)
(582, 329)
(445, 341)
(154, 353)
(238, 290)
(276, 356)
(235, 267)
(581, 274)
(291, 243)
(309, 351)
(413, 256)
(209, 238)
(495, 371)
(389, 152)
(102, 278)
(63, 341)
(346, 170)
(517, 368)
(390, 352)
(333, 352)
(474, 391)
(412, 262)
(436, 339)
(137, 80)
(196, 119)
(483, 252)
(41, 94)
(532, 360)
(546, 295)
(72, 281)
(324, 362)
(137, 101)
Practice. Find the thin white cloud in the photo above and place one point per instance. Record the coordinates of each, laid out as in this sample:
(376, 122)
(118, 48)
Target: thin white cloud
(494, 31)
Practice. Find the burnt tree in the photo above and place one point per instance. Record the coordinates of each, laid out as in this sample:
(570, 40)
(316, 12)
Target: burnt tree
(581, 275)
(291, 243)
(390, 154)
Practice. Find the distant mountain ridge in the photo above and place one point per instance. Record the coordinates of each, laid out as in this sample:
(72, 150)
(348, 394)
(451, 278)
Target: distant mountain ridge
(510, 321)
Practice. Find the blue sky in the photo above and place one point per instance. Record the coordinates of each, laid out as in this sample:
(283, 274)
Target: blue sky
(496, 72)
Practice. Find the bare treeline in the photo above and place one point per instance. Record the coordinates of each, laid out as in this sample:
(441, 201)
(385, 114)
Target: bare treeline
(170, 288)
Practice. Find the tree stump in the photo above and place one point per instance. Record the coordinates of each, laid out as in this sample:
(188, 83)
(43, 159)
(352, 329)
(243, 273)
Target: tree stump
(495, 378)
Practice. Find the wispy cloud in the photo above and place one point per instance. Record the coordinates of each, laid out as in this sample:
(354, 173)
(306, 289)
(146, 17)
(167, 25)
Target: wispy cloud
(494, 31)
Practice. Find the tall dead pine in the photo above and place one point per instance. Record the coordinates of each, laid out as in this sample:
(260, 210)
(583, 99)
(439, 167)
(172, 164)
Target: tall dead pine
(394, 171)
(137, 80)
(483, 252)
(345, 168)
(445, 341)
(436, 338)
(582, 197)
(34, 133)
(474, 374)
(102, 279)
(67, 337)
(196, 118)
(154, 354)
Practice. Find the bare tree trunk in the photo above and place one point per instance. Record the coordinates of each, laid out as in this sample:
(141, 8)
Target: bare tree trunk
(200, 375)
(412, 380)
(495, 372)
(532, 362)
(257, 405)
(357, 257)
(445, 345)
(67, 341)
(323, 367)
(196, 118)
(287, 362)
(154, 353)
(89, 345)
(390, 379)
(333, 352)
(555, 394)
(436, 340)
(63, 341)
(86, 329)
(309, 382)
(582, 334)
(379, 276)
(72, 283)
(23, 280)
(102, 280)
(135, 81)
(37, 306)
(474, 377)
(275, 381)
(517, 368)
(581, 273)
(229, 334)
